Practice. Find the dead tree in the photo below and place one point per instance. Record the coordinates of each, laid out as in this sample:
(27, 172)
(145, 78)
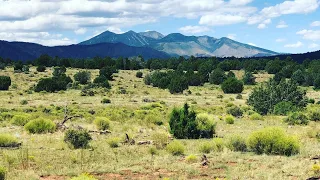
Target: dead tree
(61, 125)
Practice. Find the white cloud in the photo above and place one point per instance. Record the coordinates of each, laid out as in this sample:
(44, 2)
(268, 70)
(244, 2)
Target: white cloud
(315, 24)
(43, 38)
(81, 31)
(282, 24)
(232, 36)
(280, 40)
(296, 45)
(252, 44)
(220, 20)
(264, 24)
(194, 29)
(285, 8)
(313, 46)
(310, 34)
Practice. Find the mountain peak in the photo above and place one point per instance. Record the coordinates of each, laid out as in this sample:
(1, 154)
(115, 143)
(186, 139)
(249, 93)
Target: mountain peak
(152, 34)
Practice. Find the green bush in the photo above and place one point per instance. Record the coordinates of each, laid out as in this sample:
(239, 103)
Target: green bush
(191, 158)
(102, 81)
(139, 74)
(176, 148)
(273, 141)
(160, 140)
(206, 147)
(265, 97)
(56, 83)
(39, 126)
(84, 177)
(178, 84)
(297, 118)
(24, 102)
(229, 119)
(205, 123)
(256, 117)
(41, 68)
(79, 139)
(218, 144)
(102, 123)
(284, 108)
(20, 120)
(184, 124)
(2, 173)
(217, 76)
(232, 86)
(7, 140)
(114, 142)
(235, 111)
(83, 77)
(106, 101)
(314, 116)
(249, 79)
(5, 83)
(237, 143)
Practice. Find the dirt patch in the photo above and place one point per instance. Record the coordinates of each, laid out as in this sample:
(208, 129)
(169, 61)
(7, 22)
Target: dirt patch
(54, 178)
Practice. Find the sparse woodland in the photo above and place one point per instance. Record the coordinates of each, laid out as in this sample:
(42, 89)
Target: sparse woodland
(177, 118)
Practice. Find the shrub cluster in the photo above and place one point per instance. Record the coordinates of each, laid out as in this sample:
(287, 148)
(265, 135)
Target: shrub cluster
(184, 124)
(265, 97)
(5, 83)
(20, 120)
(39, 126)
(83, 77)
(237, 143)
(229, 119)
(139, 74)
(41, 68)
(232, 86)
(56, 83)
(102, 123)
(273, 141)
(284, 108)
(176, 148)
(235, 111)
(79, 139)
(2, 173)
(7, 140)
(297, 118)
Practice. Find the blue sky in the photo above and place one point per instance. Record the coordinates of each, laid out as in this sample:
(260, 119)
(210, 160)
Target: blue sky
(291, 26)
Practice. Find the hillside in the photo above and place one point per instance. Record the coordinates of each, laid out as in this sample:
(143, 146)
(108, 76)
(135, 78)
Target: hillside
(177, 44)
(30, 51)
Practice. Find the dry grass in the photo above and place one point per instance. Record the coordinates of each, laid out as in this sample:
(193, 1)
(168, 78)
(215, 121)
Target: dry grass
(48, 157)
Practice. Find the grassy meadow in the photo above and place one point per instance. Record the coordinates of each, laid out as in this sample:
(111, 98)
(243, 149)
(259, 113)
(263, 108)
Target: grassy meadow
(142, 112)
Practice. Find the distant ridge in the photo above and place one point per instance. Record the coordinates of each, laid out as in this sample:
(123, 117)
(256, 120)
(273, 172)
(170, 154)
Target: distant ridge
(30, 51)
(177, 44)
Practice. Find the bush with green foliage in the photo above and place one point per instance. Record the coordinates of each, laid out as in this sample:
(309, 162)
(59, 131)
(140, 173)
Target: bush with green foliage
(316, 83)
(256, 117)
(184, 124)
(265, 97)
(7, 140)
(237, 143)
(2, 173)
(79, 139)
(249, 79)
(284, 108)
(56, 83)
(206, 147)
(102, 81)
(40, 126)
(160, 139)
(273, 141)
(235, 111)
(84, 177)
(217, 76)
(314, 115)
(20, 120)
(229, 119)
(176, 148)
(105, 101)
(218, 144)
(114, 142)
(231, 75)
(232, 86)
(102, 123)
(192, 158)
(59, 71)
(139, 74)
(41, 68)
(83, 77)
(297, 118)
(178, 84)
(5, 83)
(108, 72)
(299, 77)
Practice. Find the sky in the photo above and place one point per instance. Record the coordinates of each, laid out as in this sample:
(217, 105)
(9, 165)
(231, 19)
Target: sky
(291, 26)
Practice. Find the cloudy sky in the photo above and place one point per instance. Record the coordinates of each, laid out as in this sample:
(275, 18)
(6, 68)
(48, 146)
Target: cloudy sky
(282, 26)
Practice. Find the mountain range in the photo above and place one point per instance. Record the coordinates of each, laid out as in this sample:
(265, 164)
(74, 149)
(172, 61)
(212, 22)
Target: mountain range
(177, 44)
(149, 44)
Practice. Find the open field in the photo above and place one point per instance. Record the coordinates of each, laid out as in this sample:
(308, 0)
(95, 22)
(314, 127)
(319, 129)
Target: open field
(135, 112)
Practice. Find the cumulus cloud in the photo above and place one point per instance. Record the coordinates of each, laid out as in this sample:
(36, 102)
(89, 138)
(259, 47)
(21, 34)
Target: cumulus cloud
(313, 46)
(315, 24)
(310, 34)
(80, 31)
(282, 24)
(194, 29)
(295, 45)
(252, 44)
